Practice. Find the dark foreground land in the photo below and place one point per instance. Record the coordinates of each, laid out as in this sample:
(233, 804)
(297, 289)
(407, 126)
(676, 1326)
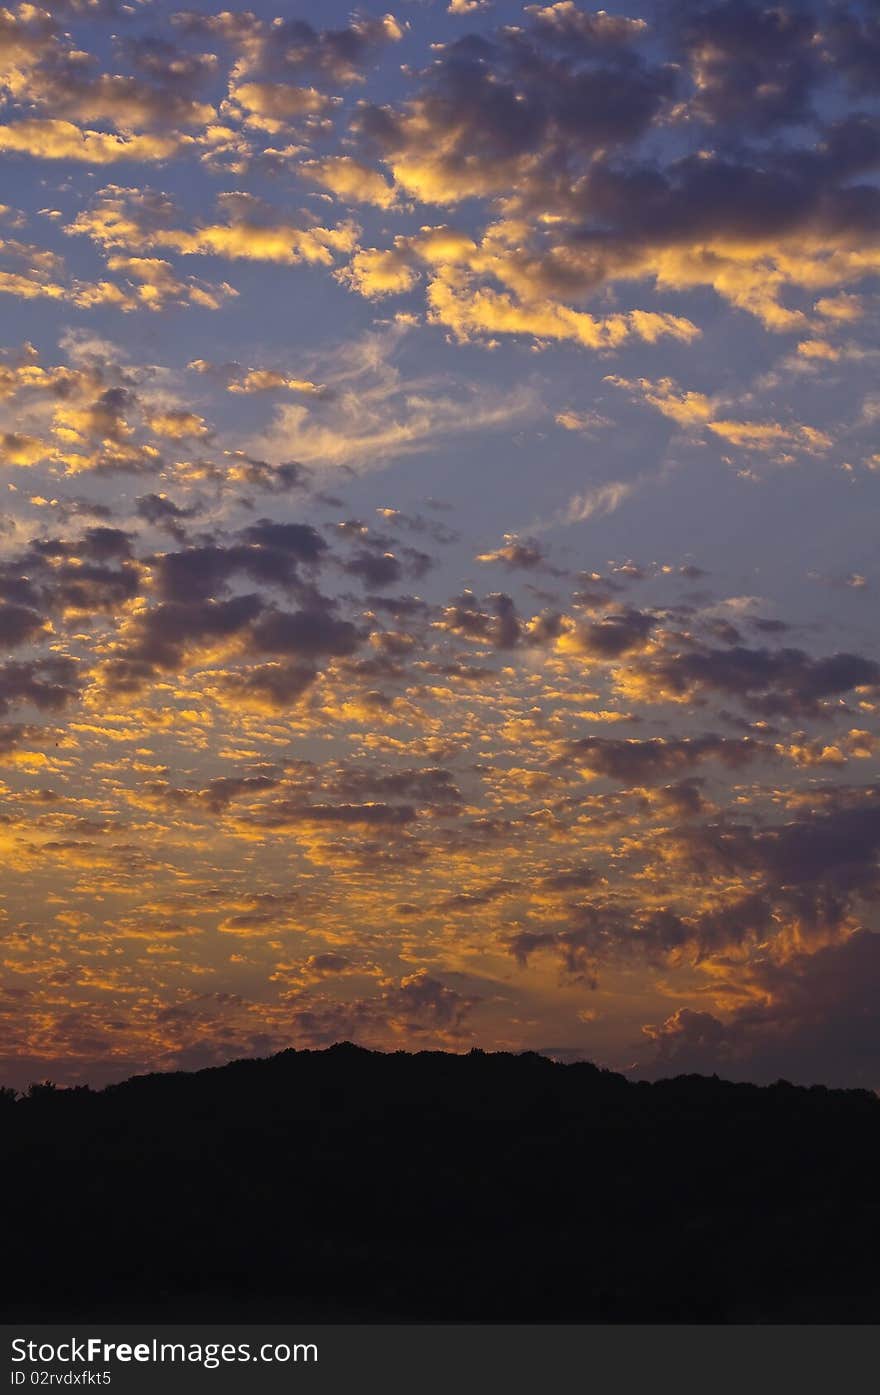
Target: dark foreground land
(347, 1185)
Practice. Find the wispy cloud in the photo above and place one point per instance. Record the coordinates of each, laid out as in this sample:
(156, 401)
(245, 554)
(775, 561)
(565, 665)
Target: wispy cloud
(371, 413)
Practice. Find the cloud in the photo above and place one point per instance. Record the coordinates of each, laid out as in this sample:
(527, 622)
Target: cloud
(268, 553)
(156, 286)
(281, 736)
(250, 231)
(490, 104)
(18, 625)
(516, 553)
(467, 7)
(686, 408)
(587, 422)
(770, 681)
(617, 633)
(47, 684)
(169, 636)
(270, 106)
(813, 1024)
(371, 413)
(544, 122)
(125, 102)
(93, 574)
(290, 48)
(634, 762)
(349, 180)
(62, 140)
(601, 499)
(487, 312)
(751, 67)
(498, 625)
(695, 411)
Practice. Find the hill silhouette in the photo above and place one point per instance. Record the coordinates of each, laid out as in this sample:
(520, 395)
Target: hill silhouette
(349, 1185)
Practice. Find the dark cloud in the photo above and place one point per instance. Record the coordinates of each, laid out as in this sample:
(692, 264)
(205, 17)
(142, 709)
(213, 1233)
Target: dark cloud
(89, 588)
(618, 633)
(498, 626)
(162, 634)
(268, 553)
(852, 43)
(215, 797)
(375, 569)
(65, 89)
(260, 475)
(814, 1022)
(834, 847)
(400, 607)
(374, 562)
(596, 935)
(517, 554)
(632, 207)
(288, 813)
(683, 799)
(328, 963)
(102, 544)
(307, 634)
(165, 64)
(579, 947)
(416, 563)
(75, 507)
(575, 879)
(422, 1001)
(769, 627)
(299, 540)
(416, 523)
(422, 1004)
(784, 681)
(491, 103)
(434, 785)
(13, 734)
(754, 66)
(294, 47)
(634, 762)
(18, 625)
(201, 572)
(19, 589)
(162, 512)
(47, 684)
(772, 893)
(58, 574)
(168, 635)
(291, 49)
(594, 590)
(474, 900)
(275, 685)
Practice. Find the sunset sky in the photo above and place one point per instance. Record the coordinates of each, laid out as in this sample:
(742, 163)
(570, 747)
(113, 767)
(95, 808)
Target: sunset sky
(439, 534)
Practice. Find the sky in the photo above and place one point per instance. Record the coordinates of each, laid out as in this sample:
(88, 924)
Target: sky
(438, 547)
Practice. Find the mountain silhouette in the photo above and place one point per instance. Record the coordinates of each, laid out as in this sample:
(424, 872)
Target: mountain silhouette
(351, 1185)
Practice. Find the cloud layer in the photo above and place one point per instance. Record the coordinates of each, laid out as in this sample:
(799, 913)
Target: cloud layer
(438, 456)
